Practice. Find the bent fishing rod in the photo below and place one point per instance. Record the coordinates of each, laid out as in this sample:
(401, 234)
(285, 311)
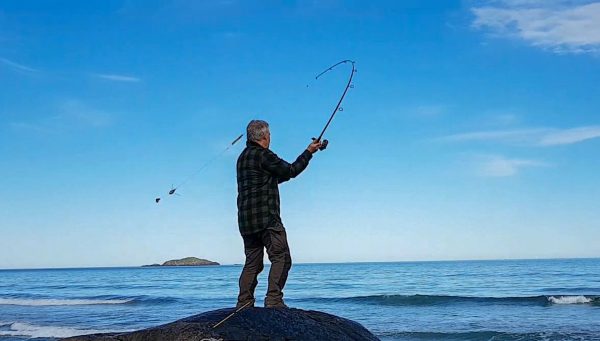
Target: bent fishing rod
(339, 103)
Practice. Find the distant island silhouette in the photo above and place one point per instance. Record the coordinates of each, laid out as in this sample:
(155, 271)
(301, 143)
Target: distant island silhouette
(187, 261)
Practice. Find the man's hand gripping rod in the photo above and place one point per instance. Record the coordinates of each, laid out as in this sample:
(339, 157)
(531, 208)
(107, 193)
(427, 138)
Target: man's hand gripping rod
(338, 106)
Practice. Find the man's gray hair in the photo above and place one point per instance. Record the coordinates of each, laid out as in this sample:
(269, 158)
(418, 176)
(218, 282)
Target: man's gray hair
(256, 130)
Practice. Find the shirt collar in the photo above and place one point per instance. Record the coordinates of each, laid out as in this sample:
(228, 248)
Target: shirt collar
(253, 144)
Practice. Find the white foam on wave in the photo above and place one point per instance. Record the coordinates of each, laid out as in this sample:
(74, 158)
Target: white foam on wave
(569, 299)
(32, 331)
(54, 302)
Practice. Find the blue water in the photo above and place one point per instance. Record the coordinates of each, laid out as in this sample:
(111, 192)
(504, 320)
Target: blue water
(466, 300)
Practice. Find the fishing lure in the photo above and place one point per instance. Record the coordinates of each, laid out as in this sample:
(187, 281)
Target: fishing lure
(175, 188)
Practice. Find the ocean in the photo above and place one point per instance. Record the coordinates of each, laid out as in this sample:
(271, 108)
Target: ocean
(446, 300)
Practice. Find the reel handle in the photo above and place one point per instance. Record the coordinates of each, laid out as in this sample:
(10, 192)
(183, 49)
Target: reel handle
(323, 144)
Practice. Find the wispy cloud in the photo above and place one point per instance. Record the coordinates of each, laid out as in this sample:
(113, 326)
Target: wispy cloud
(504, 119)
(78, 113)
(559, 25)
(500, 166)
(17, 66)
(509, 136)
(542, 137)
(106, 76)
(570, 136)
(70, 115)
(28, 126)
(118, 78)
(430, 110)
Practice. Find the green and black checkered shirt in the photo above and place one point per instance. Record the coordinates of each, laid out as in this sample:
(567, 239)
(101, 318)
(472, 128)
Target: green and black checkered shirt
(259, 172)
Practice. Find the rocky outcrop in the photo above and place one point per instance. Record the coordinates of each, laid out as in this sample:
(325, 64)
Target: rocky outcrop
(188, 261)
(248, 324)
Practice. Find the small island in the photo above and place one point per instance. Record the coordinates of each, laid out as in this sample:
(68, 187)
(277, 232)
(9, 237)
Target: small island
(187, 261)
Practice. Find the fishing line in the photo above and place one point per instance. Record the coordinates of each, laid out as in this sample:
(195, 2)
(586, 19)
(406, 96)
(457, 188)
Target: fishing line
(233, 313)
(206, 164)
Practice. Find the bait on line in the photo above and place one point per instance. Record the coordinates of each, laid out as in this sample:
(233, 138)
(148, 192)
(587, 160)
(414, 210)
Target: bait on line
(175, 188)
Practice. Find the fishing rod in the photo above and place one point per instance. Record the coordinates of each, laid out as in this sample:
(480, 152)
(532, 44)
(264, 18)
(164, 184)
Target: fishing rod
(206, 164)
(338, 106)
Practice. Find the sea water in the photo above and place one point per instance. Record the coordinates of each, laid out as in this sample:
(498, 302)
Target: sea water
(454, 300)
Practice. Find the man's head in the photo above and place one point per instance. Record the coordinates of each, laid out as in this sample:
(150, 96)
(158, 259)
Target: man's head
(258, 131)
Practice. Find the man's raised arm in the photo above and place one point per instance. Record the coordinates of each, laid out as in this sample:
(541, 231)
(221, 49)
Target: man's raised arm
(284, 170)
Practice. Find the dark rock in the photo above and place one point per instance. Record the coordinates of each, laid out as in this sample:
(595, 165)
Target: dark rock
(248, 324)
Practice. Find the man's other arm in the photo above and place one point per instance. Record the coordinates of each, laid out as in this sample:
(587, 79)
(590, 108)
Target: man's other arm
(282, 169)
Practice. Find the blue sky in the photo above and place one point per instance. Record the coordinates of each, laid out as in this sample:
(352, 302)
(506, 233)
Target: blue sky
(472, 132)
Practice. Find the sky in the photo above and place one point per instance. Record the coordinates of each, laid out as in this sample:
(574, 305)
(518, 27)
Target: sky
(472, 130)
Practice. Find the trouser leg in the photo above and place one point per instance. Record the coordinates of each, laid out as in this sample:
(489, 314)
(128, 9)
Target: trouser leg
(253, 248)
(281, 261)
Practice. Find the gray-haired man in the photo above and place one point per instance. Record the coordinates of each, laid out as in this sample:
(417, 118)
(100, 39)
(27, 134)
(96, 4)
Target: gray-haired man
(259, 172)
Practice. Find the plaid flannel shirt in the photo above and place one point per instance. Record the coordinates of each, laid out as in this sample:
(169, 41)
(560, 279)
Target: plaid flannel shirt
(259, 172)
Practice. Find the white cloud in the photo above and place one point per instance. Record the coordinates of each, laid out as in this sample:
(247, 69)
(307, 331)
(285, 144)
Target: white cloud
(569, 136)
(25, 126)
(17, 66)
(118, 78)
(561, 26)
(77, 113)
(542, 137)
(70, 115)
(505, 119)
(430, 110)
(516, 136)
(500, 166)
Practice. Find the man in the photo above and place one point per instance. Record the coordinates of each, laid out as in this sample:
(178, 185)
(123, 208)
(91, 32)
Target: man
(259, 172)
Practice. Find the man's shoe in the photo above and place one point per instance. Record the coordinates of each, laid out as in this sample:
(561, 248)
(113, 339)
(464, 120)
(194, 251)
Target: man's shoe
(247, 304)
(279, 304)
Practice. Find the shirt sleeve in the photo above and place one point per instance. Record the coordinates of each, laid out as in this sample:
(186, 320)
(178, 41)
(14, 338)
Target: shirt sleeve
(283, 170)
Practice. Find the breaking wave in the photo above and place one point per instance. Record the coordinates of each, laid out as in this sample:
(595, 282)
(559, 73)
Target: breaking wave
(34, 331)
(573, 299)
(19, 301)
(432, 300)
(489, 336)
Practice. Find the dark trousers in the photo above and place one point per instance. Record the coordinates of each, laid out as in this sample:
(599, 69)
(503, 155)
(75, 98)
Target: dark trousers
(275, 241)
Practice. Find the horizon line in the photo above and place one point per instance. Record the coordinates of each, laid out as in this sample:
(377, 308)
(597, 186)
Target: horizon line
(306, 263)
